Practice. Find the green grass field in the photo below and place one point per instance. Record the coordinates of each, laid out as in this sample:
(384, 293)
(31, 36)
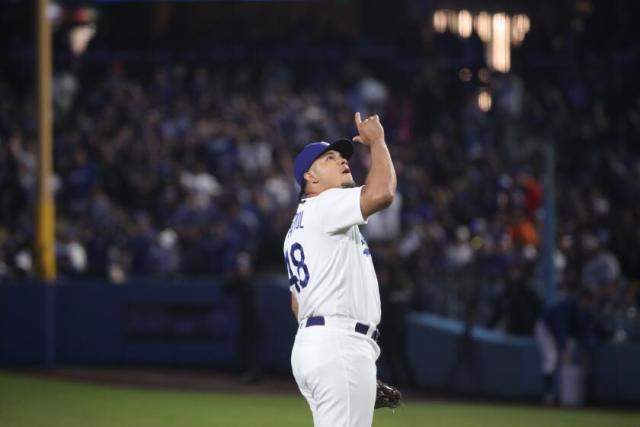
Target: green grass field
(27, 401)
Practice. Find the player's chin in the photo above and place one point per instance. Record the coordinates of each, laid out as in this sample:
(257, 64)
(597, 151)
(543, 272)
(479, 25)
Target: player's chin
(348, 182)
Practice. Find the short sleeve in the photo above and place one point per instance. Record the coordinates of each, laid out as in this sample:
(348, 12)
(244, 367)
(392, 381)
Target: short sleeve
(340, 209)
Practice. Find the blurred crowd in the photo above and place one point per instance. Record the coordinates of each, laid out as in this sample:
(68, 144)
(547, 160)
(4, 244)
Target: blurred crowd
(181, 171)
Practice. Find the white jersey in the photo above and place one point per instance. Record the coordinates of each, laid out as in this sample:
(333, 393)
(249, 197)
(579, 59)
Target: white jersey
(328, 261)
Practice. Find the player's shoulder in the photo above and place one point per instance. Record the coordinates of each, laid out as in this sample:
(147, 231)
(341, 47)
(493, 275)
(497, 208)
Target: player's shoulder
(338, 192)
(332, 198)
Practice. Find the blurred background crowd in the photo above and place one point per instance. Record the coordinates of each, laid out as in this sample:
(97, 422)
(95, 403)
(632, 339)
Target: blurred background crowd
(173, 169)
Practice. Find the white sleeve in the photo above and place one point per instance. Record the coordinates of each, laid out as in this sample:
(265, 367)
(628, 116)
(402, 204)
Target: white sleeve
(340, 209)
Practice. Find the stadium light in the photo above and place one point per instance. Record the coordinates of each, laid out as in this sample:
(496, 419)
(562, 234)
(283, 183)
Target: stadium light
(483, 26)
(465, 24)
(440, 21)
(499, 52)
(498, 31)
(484, 100)
(519, 28)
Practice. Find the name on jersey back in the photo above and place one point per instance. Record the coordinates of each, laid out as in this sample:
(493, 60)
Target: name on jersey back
(296, 223)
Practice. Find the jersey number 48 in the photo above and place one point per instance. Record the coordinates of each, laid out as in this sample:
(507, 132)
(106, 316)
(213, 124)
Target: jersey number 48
(299, 274)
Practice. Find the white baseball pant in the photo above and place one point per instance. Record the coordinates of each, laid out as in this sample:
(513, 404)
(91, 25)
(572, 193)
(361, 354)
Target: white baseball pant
(335, 368)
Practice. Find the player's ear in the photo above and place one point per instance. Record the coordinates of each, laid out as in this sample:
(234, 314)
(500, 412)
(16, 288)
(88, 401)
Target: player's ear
(310, 176)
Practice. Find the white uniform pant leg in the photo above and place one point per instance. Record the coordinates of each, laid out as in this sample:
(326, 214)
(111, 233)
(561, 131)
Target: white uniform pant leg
(336, 373)
(548, 349)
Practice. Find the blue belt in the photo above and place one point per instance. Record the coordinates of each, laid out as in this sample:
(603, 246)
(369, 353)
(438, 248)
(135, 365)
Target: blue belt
(360, 328)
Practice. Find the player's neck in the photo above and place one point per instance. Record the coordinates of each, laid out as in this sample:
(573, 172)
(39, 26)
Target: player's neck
(313, 191)
(310, 194)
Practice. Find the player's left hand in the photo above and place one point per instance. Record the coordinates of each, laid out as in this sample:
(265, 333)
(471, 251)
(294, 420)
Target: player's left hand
(369, 130)
(387, 396)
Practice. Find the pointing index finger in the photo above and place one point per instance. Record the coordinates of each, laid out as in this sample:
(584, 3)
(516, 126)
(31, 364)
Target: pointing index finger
(358, 119)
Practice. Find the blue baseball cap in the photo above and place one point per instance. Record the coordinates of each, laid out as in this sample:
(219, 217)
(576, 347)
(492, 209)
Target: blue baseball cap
(312, 151)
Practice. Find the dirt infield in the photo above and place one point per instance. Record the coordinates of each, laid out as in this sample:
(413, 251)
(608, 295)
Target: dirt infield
(173, 379)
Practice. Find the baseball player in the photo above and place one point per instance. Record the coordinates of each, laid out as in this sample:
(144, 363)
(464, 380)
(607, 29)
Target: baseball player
(334, 289)
(568, 321)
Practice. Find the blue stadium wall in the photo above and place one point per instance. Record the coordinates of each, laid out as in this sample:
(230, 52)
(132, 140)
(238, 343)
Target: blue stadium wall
(195, 324)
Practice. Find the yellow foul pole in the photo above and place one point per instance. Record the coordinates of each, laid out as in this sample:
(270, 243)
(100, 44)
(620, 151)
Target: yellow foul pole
(45, 208)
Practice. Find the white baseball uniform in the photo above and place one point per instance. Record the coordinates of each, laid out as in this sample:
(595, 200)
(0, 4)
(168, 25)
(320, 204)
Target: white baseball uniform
(332, 275)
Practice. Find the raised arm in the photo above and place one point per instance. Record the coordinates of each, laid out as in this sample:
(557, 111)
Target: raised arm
(380, 185)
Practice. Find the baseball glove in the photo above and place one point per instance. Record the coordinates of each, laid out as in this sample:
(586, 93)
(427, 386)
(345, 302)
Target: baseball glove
(387, 396)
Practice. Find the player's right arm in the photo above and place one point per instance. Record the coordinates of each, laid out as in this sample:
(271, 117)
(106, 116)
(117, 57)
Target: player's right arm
(294, 305)
(380, 185)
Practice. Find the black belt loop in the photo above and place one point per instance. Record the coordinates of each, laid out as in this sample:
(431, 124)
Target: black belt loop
(362, 328)
(315, 321)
